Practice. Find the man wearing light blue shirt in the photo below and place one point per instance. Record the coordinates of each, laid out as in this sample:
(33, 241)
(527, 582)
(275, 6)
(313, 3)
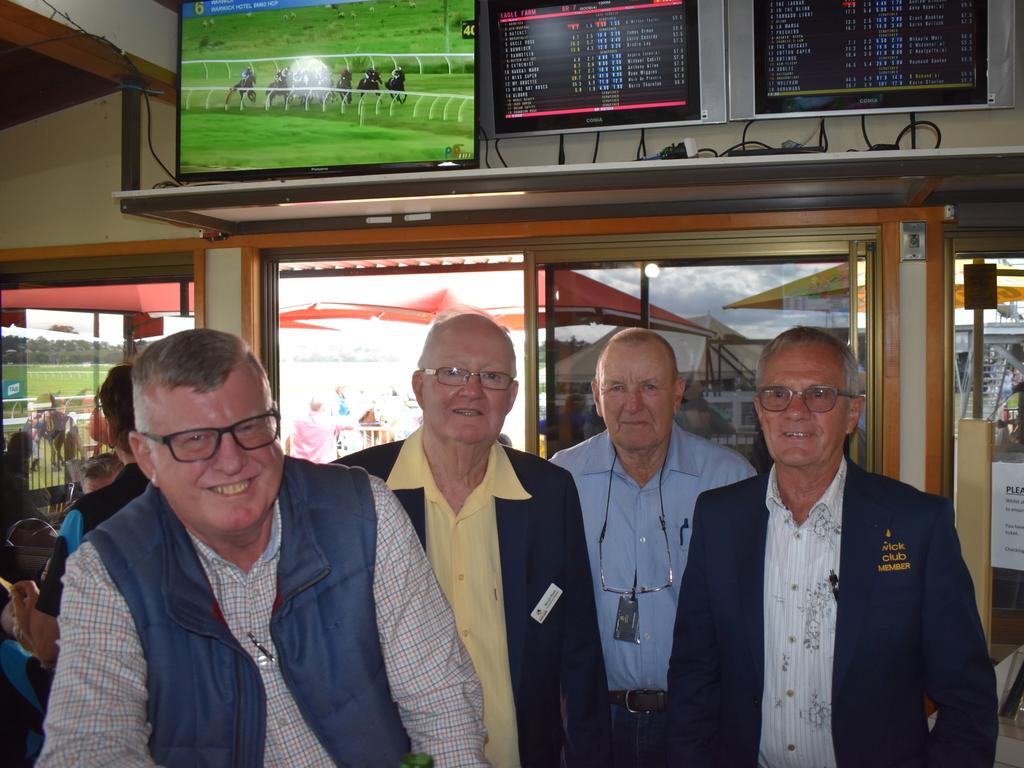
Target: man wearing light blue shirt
(638, 482)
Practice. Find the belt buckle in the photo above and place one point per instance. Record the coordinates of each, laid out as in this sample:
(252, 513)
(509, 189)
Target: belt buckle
(637, 711)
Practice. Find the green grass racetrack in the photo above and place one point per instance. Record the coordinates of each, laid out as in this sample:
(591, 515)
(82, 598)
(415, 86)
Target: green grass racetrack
(371, 130)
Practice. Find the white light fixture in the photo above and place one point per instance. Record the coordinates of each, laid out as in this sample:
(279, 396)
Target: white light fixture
(652, 270)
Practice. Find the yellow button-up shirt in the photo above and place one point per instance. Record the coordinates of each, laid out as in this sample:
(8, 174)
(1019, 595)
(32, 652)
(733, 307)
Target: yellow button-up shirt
(463, 550)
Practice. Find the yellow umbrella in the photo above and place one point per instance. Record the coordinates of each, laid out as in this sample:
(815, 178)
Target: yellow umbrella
(1009, 288)
(821, 290)
(818, 291)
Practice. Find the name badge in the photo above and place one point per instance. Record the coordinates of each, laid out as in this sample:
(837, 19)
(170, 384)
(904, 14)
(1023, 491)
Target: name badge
(627, 620)
(547, 602)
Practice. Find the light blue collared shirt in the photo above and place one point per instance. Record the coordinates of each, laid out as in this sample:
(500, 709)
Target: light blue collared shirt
(634, 540)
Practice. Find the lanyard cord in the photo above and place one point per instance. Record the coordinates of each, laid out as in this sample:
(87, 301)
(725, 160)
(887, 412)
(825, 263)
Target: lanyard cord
(661, 521)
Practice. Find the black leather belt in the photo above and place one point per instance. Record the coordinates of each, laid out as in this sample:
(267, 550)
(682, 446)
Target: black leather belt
(638, 700)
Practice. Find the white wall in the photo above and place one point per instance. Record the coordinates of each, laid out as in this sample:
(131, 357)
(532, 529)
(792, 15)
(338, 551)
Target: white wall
(223, 289)
(142, 27)
(995, 128)
(58, 174)
(913, 371)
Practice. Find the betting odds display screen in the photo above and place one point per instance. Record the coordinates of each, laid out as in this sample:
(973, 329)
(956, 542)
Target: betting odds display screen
(615, 63)
(862, 54)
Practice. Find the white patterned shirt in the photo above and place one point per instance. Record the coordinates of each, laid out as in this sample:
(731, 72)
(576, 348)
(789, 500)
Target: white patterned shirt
(800, 629)
(97, 712)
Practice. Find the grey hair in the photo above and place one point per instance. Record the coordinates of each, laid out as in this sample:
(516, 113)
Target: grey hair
(635, 337)
(101, 465)
(440, 325)
(805, 336)
(200, 359)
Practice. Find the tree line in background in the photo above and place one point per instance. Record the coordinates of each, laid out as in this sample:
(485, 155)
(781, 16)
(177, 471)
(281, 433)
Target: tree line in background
(59, 352)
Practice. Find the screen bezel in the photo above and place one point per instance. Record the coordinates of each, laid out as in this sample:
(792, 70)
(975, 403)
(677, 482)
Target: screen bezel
(327, 170)
(706, 63)
(747, 99)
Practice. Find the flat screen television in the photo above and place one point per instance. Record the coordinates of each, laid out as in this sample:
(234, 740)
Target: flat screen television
(604, 64)
(283, 88)
(827, 57)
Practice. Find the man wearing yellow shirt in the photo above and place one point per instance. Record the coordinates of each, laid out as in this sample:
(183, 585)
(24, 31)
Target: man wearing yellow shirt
(504, 533)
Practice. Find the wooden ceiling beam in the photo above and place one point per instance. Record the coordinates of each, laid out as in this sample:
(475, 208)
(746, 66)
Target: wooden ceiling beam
(23, 27)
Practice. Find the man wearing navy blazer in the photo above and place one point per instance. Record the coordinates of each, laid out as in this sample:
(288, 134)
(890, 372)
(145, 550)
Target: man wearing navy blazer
(504, 533)
(822, 603)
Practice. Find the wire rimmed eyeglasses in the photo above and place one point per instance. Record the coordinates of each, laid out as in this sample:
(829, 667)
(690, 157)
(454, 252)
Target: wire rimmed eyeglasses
(458, 377)
(819, 398)
(635, 589)
(191, 445)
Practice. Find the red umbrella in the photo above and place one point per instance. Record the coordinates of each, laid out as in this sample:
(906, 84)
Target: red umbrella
(579, 300)
(133, 297)
(411, 298)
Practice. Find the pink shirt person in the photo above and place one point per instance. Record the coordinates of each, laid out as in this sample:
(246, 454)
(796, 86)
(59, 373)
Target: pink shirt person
(315, 436)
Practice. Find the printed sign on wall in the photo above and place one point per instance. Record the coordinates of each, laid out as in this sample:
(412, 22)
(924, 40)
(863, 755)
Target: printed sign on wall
(1008, 515)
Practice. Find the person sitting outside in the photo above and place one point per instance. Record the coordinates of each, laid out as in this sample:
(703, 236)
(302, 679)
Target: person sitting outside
(29, 656)
(100, 471)
(316, 436)
(38, 608)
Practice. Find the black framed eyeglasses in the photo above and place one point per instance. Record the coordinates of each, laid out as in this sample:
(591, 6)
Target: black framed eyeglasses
(202, 444)
(458, 377)
(819, 398)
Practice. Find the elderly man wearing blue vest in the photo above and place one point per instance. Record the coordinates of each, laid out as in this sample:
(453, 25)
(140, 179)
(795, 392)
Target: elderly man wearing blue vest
(251, 609)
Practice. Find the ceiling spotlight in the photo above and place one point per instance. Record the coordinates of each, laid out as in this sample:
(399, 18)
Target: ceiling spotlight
(652, 270)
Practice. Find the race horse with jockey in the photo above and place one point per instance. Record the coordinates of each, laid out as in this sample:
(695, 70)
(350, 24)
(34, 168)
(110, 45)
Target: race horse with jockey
(396, 85)
(344, 86)
(244, 87)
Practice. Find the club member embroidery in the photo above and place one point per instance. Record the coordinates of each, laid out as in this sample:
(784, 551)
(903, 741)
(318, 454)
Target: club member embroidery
(894, 555)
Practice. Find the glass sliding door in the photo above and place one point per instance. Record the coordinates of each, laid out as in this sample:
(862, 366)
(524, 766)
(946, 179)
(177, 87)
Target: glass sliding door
(59, 339)
(717, 315)
(349, 335)
(988, 384)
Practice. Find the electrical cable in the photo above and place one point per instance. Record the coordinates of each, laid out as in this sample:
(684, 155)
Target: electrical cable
(481, 131)
(123, 56)
(487, 145)
(744, 145)
(912, 127)
(597, 143)
(743, 136)
(870, 144)
(641, 147)
(149, 138)
(497, 149)
(561, 149)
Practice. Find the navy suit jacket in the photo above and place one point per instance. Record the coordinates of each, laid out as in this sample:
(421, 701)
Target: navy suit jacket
(557, 669)
(901, 634)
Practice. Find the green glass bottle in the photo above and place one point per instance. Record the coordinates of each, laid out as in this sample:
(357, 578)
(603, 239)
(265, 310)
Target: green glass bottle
(414, 760)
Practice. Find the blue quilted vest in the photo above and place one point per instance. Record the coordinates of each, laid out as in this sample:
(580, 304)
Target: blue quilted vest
(206, 698)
